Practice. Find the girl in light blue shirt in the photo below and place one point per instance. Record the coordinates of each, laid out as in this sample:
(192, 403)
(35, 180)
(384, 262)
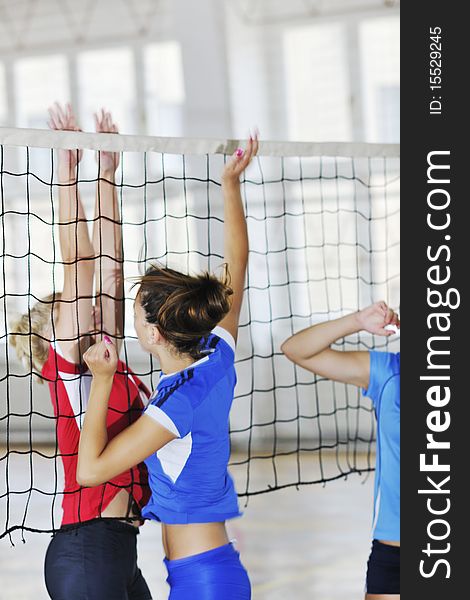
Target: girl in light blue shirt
(378, 374)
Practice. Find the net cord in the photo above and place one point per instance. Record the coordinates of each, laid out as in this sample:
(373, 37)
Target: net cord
(111, 142)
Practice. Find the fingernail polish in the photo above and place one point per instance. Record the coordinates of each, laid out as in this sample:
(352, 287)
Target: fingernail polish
(107, 340)
(239, 152)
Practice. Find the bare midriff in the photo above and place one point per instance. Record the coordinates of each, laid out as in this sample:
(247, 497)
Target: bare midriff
(389, 543)
(180, 541)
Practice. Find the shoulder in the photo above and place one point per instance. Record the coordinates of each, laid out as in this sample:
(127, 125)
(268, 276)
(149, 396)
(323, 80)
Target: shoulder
(384, 367)
(220, 339)
(218, 363)
(384, 363)
(174, 387)
(171, 405)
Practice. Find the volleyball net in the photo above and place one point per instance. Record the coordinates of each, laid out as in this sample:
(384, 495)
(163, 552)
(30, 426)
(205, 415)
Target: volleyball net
(323, 223)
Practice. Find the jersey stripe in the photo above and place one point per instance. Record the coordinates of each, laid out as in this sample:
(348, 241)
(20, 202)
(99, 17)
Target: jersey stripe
(185, 376)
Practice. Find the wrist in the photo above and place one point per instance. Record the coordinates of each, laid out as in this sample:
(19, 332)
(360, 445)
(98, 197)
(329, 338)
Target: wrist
(355, 322)
(103, 380)
(230, 183)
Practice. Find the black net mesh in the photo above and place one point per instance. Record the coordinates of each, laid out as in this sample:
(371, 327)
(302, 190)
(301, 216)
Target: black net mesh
(324, 241)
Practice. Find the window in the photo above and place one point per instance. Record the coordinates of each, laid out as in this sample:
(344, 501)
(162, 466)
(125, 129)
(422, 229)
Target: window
(164, 88)
(106, 79)
(380, 58)
(39, 82)
(317, 86)
(3, 98)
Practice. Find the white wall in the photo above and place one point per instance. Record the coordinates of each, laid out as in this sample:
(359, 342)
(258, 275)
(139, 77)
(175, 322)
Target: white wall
(298, 70)
(205, 69)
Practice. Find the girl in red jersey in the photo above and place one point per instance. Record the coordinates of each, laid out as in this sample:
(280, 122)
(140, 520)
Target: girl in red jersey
(93, 555)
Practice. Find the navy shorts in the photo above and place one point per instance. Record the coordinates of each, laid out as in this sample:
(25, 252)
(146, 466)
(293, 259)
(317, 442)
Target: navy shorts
(213, 575)
(96, 560)
(383, 569)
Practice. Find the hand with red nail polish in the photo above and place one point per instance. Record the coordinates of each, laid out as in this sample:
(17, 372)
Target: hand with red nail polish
(241, 159)
(102, 359)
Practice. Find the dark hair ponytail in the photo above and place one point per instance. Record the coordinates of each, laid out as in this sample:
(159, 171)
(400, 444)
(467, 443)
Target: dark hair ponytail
(185, 308)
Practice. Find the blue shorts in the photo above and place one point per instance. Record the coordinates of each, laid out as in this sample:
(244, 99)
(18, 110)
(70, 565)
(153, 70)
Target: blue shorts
(213, 575)
(383, 569)
(96, 560)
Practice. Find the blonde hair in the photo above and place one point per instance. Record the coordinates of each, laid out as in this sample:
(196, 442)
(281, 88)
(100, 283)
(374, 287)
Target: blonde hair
(28, 333)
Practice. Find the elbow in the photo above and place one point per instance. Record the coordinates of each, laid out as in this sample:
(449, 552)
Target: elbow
(292, 350)
(87, 478)
(287, 349)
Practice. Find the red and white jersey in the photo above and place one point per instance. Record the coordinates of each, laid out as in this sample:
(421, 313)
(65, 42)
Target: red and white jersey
(69, 386)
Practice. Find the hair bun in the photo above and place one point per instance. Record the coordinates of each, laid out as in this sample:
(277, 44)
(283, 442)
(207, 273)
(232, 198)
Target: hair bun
(208, 302)
(185, 308)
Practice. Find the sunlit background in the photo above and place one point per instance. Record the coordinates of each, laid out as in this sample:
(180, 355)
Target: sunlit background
(301, 70)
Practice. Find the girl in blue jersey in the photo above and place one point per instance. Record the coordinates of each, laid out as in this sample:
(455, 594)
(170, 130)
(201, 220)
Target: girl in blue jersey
(190, 325)
(378, 374)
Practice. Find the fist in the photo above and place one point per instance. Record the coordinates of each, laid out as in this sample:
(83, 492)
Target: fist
(102, 358)
(376, 317)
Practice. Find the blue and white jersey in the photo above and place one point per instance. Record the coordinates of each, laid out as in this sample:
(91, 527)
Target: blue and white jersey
(188, 477)
(384, 391)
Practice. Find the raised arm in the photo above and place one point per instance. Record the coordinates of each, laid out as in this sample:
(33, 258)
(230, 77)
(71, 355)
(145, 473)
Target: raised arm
(311, 350)
(235, 231)
(107, 241)
(74, 318)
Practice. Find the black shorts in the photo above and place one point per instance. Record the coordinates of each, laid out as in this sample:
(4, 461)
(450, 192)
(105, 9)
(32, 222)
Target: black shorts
(96, 560)
(383, 569)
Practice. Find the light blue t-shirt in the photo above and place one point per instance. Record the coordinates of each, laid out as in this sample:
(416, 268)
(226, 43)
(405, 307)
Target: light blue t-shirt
(188, 477)
(384, 391)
